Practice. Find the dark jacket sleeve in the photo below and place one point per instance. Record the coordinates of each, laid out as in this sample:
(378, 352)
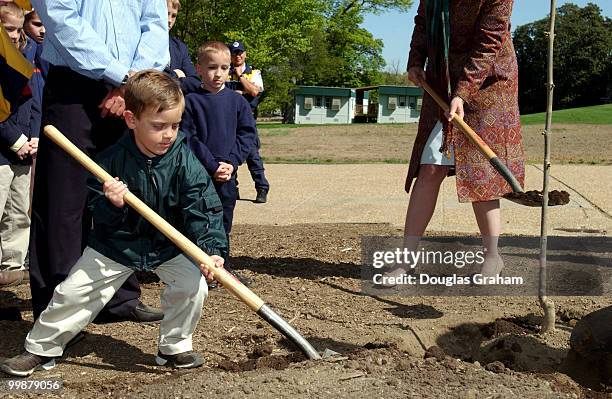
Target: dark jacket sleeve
(418, 45)
(493, 28)
(202, 209)
(246, 134)
(35, 116)
(190, 128)
(191, 82)
(102, 210)
(10, 131)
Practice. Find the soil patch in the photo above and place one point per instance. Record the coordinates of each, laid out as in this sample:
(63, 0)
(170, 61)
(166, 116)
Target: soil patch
(306, 274)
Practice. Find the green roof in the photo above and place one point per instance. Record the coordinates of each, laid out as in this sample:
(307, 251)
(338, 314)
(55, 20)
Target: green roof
(400, 90)
(324, 91)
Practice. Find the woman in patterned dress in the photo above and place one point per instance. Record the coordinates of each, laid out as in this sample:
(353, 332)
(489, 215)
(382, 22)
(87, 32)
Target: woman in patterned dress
(464, 49)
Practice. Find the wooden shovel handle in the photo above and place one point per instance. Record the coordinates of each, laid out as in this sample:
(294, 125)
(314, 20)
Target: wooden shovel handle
(190, 249)
(477, 141)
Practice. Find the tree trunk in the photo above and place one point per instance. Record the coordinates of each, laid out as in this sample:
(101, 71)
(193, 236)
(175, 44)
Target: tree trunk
(548, 323)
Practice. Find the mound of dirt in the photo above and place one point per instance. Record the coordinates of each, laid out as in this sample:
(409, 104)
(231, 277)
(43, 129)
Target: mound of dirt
(534, 198)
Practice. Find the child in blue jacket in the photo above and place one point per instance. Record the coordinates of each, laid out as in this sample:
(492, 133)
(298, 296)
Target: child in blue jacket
(220, 126)
(18, 146)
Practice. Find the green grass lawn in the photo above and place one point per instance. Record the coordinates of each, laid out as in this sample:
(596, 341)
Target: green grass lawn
(596, 115)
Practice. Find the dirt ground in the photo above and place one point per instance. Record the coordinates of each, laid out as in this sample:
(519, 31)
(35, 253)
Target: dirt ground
(484, 347)
(356, 143)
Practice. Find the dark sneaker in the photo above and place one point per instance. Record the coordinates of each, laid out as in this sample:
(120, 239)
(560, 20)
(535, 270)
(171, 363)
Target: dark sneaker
(185, 360)
(146, 314)
(25, 364)
(140, 314)
(262, 196)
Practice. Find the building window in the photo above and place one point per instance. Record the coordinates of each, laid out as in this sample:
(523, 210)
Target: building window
(412, 102)
(402, 101)
(318, 101)
(328, 102)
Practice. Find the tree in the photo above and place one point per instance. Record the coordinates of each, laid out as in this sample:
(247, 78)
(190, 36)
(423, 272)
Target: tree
(395, 75)
(582, 58)
(314, 42)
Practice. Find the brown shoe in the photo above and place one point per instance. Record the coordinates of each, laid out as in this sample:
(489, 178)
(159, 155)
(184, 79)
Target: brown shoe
(11, 277)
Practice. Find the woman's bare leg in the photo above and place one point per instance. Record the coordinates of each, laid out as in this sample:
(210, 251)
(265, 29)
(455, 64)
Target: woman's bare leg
(422, 204)
(488, 217)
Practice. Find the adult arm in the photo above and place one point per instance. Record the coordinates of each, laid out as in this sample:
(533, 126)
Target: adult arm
(252, 87)
(418, 44)
(191, 82)
(153, 47)
(77, 42)
(492, 30)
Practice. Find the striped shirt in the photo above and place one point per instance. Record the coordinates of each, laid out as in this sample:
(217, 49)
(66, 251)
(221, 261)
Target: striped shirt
(105, 39)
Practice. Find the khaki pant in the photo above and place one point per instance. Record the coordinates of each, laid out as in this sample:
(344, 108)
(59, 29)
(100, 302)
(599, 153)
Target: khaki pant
(15, 220)
(93, 281)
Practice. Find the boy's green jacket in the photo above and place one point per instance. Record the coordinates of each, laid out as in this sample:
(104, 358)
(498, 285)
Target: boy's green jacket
(175, 185)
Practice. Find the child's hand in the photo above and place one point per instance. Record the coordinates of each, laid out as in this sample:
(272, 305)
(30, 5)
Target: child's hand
(210, 274)
(114, 190)
(224, 172)
(24, 151)
(33, 147)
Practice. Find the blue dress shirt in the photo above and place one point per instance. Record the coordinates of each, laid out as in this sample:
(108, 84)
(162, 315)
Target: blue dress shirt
(105, 39)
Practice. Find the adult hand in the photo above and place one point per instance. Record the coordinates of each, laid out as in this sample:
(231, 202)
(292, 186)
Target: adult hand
(179, 73)
(114, 103)
(24, 151)
(209, 274)
(416, 75)
(33, 147)
(114, 190)
(456, 109)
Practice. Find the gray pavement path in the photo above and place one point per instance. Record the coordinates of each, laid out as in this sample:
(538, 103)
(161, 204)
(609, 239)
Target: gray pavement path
(374, 193)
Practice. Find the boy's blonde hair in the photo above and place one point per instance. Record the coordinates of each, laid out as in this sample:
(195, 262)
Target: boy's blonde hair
(211, 47)
(151, 89)
(174, 3)
(11, 9)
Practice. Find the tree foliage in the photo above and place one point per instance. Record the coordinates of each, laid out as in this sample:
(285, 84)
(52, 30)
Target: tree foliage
(582, 62)
(311, 42)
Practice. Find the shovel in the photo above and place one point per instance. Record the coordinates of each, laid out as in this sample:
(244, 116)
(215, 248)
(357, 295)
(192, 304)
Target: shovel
(190, 249)
(529, 198)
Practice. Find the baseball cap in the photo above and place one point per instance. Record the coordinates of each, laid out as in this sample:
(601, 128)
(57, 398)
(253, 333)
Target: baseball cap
(236, 46)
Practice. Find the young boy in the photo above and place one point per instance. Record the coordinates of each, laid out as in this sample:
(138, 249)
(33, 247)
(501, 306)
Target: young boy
(34, 27)
(159, 168)
(18, 145)
(220, 126)
(246, 80)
